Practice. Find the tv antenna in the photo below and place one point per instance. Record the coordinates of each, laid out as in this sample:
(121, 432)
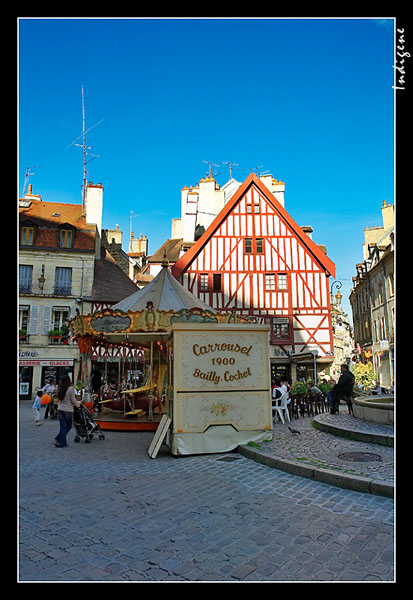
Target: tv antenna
(85, 148)
(132, 216)
(211, 172)
(27, 175)
(259, 172)
(230, 164)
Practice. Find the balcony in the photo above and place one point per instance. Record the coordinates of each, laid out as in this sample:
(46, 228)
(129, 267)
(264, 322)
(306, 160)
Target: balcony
(62, 290)
(25, 288)
(58, 337)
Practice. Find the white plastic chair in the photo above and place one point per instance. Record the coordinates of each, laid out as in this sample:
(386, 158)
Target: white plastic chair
(279, 405)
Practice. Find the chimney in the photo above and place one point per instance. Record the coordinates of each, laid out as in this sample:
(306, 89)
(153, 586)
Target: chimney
(94, 204)
(190, 216)
(387, 212)
(308, 230)
(277, 188)
(30, 195)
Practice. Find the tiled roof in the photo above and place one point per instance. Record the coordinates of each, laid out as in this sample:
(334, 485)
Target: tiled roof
(110, 284)
(48, 216)
(170, 251)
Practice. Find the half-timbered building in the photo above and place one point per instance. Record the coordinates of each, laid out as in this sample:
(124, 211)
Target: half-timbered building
(254, 259)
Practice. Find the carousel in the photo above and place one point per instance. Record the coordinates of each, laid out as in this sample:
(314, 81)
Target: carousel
(207, 372)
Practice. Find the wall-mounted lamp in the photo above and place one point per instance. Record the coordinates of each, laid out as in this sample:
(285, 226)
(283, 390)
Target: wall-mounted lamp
(41, 280)
(337, 298)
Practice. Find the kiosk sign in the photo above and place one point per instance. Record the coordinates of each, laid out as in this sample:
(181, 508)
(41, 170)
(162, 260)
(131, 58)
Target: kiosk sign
(221, 377)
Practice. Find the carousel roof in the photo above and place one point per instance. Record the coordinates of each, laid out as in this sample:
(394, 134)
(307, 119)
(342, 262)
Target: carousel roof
(165, 293)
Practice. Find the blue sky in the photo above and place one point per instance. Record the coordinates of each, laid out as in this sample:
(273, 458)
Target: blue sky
(308, 100)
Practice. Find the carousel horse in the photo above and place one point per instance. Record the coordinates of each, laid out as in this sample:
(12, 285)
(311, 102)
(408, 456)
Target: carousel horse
(148, 397)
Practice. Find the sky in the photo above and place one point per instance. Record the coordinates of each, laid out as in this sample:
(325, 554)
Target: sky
(309, 100)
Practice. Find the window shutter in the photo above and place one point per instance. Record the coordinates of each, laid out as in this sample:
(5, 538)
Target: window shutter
(34, 319)
(47, 318)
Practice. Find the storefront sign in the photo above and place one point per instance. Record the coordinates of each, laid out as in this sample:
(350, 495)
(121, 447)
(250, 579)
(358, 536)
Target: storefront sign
(45, 363)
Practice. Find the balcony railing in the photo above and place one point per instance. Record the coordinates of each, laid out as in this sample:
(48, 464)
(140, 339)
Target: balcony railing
(62, 290)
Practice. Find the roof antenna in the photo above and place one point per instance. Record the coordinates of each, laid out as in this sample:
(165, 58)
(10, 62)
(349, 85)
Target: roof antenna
(211, 171)
(259, 172)
(27, 175)
(83, 145)
(230, 164)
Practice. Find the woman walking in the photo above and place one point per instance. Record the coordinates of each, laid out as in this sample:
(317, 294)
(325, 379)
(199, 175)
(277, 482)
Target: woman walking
(67, 400)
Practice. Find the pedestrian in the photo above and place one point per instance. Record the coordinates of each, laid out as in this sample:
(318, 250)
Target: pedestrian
(36, 407)
(342, 389)
(311, 387)
(67, 400)
(49, 389)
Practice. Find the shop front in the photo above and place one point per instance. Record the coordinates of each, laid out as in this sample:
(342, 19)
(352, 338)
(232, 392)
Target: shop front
(34, 373)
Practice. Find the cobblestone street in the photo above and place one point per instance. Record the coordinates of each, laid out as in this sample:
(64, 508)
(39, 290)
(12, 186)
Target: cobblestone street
(105, 511)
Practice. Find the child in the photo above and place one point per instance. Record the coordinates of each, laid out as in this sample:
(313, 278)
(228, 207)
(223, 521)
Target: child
(36, 408)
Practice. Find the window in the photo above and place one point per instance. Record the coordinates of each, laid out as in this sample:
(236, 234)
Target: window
(203, 282)
(391, 284)
(383, 329)
(66, 237)
(25, 279)
(270, 281)
(253, 245)
(63, 281)
(27, 236)
(60, 316)
(380, 296)
(282, 283)
(216, 282)
(253, 208)
(23, 322)
(281, 328)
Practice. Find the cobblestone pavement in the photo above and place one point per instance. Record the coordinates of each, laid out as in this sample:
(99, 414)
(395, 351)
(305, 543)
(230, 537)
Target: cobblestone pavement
(326, 451)
(105, 511)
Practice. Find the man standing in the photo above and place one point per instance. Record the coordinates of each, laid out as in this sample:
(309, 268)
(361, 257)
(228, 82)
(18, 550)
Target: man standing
(342, 389)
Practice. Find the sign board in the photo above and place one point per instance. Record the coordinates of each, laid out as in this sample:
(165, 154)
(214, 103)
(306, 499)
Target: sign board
(221, 378)
(159, 436)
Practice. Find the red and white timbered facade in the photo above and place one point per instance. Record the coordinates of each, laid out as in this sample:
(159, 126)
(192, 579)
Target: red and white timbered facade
(255, 259)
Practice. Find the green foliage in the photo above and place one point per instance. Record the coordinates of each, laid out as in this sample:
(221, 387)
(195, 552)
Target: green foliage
(299, 387)
(364, 373)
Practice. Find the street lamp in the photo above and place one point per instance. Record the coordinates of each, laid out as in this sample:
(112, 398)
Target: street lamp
(338, 296)
(315, 354)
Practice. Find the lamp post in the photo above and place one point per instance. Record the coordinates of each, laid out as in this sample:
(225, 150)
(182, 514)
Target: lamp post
(315, 354)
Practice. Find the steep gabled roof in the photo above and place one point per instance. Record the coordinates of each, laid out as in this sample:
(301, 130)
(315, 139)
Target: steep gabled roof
(183, 263)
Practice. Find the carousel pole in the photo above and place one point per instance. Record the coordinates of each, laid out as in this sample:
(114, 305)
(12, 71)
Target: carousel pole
(150, 408)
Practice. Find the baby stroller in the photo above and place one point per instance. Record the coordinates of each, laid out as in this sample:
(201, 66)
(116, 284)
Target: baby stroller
(85, 425)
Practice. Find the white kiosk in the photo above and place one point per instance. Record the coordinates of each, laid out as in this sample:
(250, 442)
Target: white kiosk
(221, 387)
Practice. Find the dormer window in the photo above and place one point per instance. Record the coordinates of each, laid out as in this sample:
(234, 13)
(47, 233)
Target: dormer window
(27, 234)
(66, 236)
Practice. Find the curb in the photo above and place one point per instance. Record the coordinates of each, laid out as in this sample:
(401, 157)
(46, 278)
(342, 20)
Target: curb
(359, 436)
(329, 476)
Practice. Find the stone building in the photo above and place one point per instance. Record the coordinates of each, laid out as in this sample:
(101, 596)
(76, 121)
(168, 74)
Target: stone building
(372, 299)
(62, 267)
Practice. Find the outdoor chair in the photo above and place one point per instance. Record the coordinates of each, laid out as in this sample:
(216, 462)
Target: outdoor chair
(293, 406)
(279, 406)
(349, 401)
